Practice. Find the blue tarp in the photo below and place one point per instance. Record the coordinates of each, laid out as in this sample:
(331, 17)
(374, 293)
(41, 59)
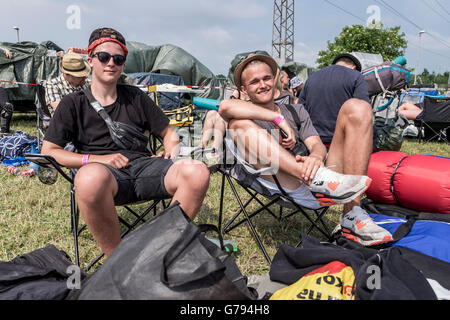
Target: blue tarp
(426, 236)
(166, 100)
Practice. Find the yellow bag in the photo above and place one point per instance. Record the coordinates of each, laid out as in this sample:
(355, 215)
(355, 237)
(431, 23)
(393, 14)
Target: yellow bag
(333, 281)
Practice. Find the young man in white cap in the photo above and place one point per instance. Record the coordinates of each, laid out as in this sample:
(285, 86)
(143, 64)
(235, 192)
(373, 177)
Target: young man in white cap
(74, 73)
(109, 175)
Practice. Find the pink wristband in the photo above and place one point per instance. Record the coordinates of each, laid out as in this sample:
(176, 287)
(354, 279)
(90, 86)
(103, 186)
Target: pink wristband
(85, 159)
(278, 119)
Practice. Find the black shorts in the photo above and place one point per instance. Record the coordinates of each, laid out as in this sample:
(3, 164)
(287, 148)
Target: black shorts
(142, 180)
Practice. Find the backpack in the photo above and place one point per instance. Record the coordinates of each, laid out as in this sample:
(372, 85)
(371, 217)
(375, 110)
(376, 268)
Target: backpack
(43, 274)
(385, 104)
(387, 76)
(388, 133)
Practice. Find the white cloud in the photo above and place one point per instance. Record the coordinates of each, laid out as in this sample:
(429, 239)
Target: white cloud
(305, 54)
(216, 35)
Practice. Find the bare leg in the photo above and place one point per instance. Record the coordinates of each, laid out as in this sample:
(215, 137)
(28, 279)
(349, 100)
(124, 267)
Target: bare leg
(188, 181)
(352, 141)
(262, 150)
(95, 190)
(208, 127)
(215, 126)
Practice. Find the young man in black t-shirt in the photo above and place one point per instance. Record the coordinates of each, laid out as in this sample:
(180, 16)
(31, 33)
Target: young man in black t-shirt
(109, 175)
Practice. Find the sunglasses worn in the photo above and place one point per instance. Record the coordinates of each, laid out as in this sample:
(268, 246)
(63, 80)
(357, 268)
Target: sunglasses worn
(104, 57)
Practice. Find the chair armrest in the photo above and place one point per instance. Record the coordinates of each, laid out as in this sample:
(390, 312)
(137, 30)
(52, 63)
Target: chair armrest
(195, 153)
(47, 161)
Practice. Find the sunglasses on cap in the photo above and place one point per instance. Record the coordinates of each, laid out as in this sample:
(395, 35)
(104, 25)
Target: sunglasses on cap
(104, 57)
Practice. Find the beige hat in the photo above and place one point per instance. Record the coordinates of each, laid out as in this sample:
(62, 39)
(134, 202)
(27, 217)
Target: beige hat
(73, 64)
(251, 57)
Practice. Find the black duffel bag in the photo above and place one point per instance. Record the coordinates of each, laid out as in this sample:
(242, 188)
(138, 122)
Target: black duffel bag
(167, 257)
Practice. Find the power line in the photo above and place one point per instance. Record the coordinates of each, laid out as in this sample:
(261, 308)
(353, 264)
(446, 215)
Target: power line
(429, 51)
(435, 11)
(443, 8)
(392, 9)
(399, 14)
(347, 12)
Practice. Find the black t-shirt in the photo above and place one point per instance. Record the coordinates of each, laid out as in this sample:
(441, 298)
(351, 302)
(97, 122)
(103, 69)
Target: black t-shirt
(325, 92)
(77, 122)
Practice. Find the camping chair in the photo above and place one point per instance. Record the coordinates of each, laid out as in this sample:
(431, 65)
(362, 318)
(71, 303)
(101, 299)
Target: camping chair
(232, 169)
(42, 112)
(179, 118)
(49, 165)
(434, 124)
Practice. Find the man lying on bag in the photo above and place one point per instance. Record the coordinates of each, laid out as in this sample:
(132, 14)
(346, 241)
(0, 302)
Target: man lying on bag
(110, 174)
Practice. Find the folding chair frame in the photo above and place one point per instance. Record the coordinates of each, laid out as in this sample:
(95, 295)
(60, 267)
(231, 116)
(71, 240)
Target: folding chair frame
(42, 112)
(441, 134)
(76, 230)
(436, 118)
(282, 199)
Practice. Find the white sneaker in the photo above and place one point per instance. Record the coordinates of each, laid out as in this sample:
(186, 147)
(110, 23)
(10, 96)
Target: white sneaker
(330, 187)
(358, 226)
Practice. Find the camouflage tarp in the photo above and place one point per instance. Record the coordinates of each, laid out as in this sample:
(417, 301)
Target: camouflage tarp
(33, 62)
(240, 57)
(298, 69)
(293, 68)
(30, 63)
(173, 60)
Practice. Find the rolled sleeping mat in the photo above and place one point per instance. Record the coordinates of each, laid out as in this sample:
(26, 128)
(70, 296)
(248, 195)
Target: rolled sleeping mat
(419, 182)
(206, 103)
(381, 168)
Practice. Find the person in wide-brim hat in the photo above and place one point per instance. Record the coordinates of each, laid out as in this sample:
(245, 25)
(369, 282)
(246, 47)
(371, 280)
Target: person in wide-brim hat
(73, 77)
(73, 64)
(237, 75)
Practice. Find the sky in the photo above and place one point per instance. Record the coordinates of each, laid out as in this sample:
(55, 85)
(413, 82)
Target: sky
(215, 31)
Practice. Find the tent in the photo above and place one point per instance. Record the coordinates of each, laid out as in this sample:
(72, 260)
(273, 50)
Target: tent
(31, 62)
(292, 68)
(297, 69)
(173, 60)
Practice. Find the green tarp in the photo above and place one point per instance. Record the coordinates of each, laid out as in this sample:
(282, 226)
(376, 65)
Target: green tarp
(31, 62)
(299, 69)
(173, 60)
(294, 68)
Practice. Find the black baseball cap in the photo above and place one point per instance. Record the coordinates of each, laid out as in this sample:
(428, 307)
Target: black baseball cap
(351, 57)
(101, 35)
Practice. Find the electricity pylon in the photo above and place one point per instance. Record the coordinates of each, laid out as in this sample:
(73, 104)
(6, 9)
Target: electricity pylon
(283, 31)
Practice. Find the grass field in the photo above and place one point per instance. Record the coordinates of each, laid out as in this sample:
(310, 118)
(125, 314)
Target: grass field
(33, 215)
